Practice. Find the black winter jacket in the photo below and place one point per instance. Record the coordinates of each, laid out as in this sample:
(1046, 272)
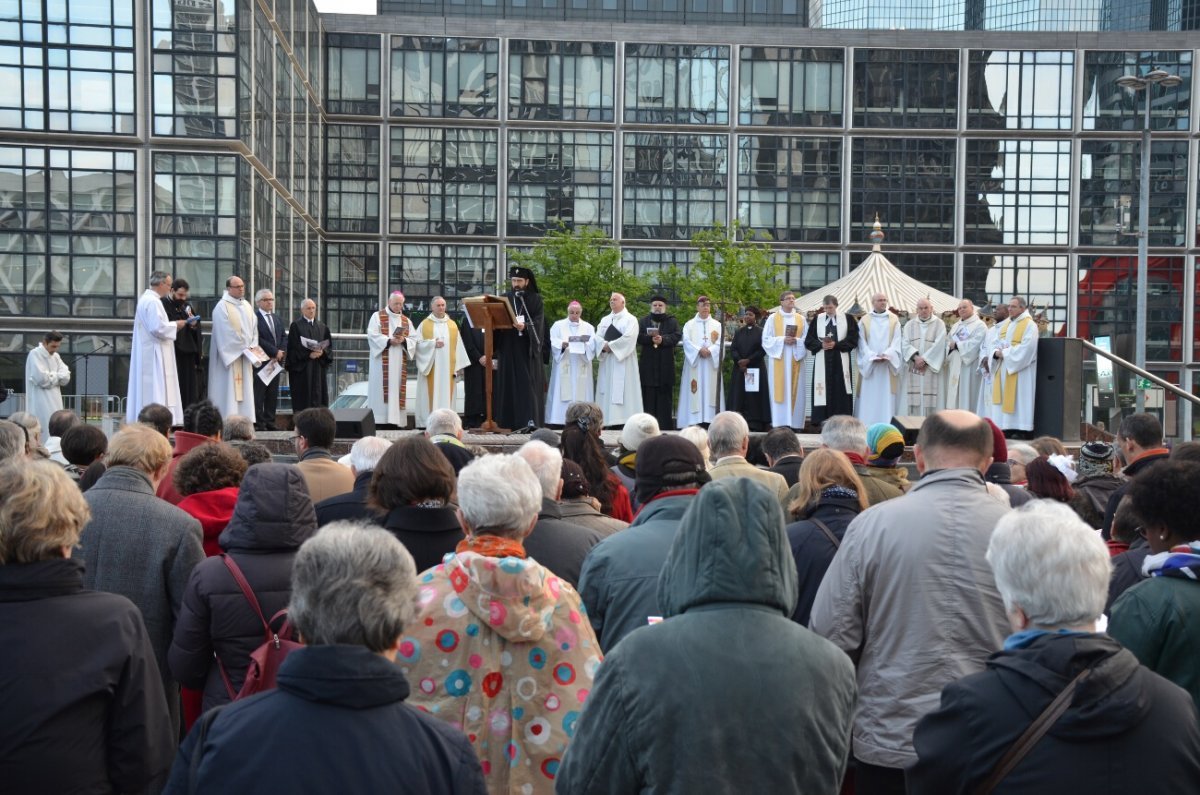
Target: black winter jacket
(813, 551)
(337, 722)
(83, 703)
(429, 534)
(272, 518)
(1122, 712)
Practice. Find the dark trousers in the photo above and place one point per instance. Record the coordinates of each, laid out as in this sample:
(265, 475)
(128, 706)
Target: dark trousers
(660, 401)
(266, 398)
(187, 366)
(876, 780)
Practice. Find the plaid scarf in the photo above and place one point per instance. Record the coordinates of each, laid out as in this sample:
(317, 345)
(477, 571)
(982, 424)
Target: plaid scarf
(1180, 561)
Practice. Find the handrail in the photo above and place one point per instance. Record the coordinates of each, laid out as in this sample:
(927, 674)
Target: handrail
(1167, 385)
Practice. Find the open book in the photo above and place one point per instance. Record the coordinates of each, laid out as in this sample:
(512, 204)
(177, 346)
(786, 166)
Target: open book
(313, 345)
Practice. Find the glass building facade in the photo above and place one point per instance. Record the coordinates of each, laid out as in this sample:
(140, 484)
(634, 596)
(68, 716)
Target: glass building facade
(341, 156)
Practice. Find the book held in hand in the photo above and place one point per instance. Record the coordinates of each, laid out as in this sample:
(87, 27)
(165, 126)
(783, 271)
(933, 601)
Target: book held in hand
(313, 345)
(256, 355)
(612, 333)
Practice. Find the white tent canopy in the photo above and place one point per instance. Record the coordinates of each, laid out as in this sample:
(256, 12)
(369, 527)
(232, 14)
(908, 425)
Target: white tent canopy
(877, 274)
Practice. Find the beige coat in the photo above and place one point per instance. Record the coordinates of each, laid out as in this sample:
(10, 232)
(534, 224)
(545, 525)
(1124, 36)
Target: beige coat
(736, 466)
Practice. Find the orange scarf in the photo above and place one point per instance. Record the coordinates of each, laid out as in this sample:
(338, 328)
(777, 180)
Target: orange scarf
(491, 546)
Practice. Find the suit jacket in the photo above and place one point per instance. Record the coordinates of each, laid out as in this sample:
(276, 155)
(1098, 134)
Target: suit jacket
(735, 466)
(271, 344)
(325, 477)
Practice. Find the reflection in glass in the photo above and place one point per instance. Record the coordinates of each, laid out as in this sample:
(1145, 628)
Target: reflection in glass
(559, 177)
(676, 83)
(449, 271)
(1108, 302)
(673, 184)
(793, 87)
(352, 178)
(1110, 178)
(1107, 106)
(352, 61)
(1043, 280)
(351, 288)
(1016, 89)
(906, 88)
(566, 80)
(1018, 191)
(443, 181)
(435, 76)
(790, 187)
(909, 182)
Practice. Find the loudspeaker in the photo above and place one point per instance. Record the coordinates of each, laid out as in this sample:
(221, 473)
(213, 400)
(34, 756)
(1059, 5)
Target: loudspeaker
(910, 426)
(1058, 400)
(354, 423)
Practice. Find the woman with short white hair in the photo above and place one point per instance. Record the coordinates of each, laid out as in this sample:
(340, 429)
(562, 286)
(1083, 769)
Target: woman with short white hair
(1052, 572)
(501, 647)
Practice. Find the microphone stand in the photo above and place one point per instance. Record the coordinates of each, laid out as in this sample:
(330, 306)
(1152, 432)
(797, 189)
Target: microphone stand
(85, 397)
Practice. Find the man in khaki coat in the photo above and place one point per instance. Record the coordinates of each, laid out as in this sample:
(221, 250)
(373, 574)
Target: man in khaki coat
(728, 441)
(315, 429)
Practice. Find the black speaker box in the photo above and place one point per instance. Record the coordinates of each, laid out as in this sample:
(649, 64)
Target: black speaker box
(354, 423)
(1058, 399)
(910, 426)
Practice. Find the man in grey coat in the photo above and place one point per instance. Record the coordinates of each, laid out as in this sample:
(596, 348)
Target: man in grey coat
(727, 693)
(910, 595)
(138, 545)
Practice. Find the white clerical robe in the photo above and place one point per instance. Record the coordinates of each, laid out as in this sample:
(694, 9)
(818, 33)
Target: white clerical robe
(45, 374)
(986, 367)
(618, 385)
(152, 374)
(570, 369)
(230, 370)
(390, 411)
(437, 367)
(961, 387)
(921, 393)
(879, 387)
(700, 394)
(785, 369)
(1015, 376)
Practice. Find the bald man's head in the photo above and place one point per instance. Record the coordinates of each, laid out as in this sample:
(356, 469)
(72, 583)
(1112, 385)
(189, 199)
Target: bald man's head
(953, 439)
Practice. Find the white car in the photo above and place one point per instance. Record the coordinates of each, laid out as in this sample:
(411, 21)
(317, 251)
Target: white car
(355, 396)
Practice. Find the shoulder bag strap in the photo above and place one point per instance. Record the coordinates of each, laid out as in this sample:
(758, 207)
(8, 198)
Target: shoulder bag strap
(1030, 737)
(240, 579)
(824, 528)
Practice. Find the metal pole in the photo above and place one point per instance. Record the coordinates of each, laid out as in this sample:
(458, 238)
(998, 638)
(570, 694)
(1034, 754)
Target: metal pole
(1143, 251)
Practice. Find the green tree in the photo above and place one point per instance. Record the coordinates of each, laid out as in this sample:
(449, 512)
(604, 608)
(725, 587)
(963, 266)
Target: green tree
(734, 268)
(581, 265)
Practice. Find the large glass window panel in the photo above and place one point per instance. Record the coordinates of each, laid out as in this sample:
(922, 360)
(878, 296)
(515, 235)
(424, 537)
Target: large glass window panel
(559, 178)
(195, 218)
(263, 88)
(1042, 279)
(453, 272)
(674, 184)
(792, 86)
(194, 52)
(790, 187)
(352, 178)
(1020, 89)
(561, 80)
(435, 76)
(351, 286)
(1110, 192)
(443, 181)
(67, 234)
(1018, 192)
(1107, 106)
(909, 183)
(915, 89)
(1108, 304)
(284, 151)
(353, 65)
(677, 83)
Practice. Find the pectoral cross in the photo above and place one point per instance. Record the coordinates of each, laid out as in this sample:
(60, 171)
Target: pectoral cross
(820, 390)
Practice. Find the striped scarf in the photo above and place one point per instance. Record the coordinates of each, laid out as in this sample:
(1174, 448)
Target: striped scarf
(383, 329)
(1180, 561)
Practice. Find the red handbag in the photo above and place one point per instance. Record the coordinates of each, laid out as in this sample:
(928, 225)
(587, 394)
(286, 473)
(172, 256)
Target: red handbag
(266, 659)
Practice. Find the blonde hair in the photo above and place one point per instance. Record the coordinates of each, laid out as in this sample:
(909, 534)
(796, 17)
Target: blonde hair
(139, 446)
(699, 437)
(41, 511)
(822, 468)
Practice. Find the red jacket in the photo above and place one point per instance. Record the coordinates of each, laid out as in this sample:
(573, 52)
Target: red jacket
(184, 443)
(213, 509)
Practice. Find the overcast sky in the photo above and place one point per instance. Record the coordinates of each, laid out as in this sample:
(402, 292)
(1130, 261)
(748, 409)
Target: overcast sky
(346, 6)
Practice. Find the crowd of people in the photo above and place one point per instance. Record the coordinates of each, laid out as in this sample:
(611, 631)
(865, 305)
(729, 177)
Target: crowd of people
(691, 612)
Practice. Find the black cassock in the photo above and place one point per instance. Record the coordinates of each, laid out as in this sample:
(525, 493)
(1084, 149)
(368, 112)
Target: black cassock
(837, 401)
(309, 387)
(656, 368)
(188, 346)
(520, 389)
(754, 406)
(474, 385)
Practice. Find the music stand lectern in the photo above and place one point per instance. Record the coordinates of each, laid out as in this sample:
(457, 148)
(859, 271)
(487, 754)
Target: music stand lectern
(490, 313)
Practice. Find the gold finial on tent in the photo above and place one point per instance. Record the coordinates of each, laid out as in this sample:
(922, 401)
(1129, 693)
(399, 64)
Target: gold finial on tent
(876, 235)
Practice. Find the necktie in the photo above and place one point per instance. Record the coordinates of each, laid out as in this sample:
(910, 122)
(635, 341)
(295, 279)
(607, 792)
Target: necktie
(830, 328)
(270, 325)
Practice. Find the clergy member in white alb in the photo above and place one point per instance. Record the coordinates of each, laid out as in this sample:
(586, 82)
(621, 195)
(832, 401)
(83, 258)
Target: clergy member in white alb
(1014, 368)
(618, 385)
(440, 357)
(391, 344)
(986, 368)
(152, 374)
(233, 352)
(700, 394)
(923, 351)
(783, 340)
(45, 375)
(571, 354)
(879, 363)
(961, 389)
